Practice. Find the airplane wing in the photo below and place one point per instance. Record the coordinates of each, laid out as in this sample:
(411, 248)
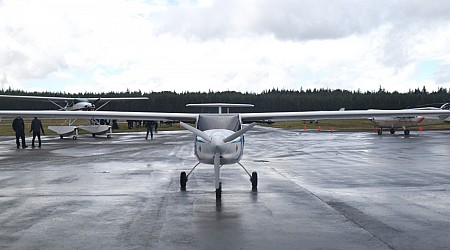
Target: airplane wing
(69, 99)
(331, 115)
(105, 99)
(101, 115)
(38, 98)
(246, 117)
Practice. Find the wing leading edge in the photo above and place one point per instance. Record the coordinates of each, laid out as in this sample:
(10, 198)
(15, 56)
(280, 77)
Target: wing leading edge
(331, 115)
(246, 117)
(101, 115)
(70, 99)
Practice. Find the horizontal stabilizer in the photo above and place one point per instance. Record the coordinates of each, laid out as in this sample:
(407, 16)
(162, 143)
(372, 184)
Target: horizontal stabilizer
(223, 105)
(239, 133)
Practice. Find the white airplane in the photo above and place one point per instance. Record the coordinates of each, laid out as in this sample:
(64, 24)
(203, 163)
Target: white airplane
(71, 103)
(75, 104)
(219, 138)
(405, 122)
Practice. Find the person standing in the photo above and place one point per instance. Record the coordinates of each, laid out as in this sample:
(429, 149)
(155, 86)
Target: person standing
(36, 127)
(149, 125)
(19, 128)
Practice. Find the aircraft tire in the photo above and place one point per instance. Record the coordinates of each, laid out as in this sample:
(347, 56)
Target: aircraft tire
(183, 180)
(93, 135)
(219, 192)
(392, 131)
(380, 131)
(74, 137)
(60, 137)
(254, 180)
(406, 131)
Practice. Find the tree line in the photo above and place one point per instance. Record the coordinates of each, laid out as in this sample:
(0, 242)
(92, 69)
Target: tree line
(267, 101)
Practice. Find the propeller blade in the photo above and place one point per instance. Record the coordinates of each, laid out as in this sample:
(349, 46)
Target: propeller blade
(196, 131)
(239, 133)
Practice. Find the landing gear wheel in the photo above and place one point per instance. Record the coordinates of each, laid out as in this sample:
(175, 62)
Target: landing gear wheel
(254, 181)
(406, 131)
(93, 135)
(74, 137)
(183, 180)
(219, 192)
(380, 131)
(392, 131)
(60, 137)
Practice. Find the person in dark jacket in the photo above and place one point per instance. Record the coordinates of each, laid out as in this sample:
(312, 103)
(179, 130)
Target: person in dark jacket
(36, 127)
(149, 125)
(19, 127)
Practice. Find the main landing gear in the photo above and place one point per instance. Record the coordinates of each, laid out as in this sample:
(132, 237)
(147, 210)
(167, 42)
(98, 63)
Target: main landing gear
(392, 131)
(185, 177)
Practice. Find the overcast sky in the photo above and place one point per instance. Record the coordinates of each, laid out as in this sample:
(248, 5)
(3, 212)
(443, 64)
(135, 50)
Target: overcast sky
(250, 45)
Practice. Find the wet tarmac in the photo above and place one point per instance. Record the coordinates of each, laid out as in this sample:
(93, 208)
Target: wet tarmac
(316, 191)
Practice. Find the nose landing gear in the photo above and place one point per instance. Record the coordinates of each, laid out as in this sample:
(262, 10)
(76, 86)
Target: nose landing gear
(253, 179)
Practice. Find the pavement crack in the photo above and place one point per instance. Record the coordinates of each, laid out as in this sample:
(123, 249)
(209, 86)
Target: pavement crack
(372, 226)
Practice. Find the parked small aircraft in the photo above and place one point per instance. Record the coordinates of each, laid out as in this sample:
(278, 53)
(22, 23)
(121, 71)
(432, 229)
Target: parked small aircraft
(405, 122)
(219, 138)
(75, 104)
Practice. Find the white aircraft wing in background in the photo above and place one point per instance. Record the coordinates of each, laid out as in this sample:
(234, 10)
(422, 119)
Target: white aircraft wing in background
(332, 115)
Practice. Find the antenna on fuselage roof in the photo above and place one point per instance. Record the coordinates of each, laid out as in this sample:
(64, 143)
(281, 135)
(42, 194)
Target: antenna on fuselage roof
(220, 106)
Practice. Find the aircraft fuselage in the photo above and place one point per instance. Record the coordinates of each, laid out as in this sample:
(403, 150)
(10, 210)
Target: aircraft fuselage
(230, 153)
(405, 122)
(82, 105)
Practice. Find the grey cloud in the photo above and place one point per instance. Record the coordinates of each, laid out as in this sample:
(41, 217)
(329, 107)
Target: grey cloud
(442, 75)
(300, 19)
(4, 80)
(10, 56)
(21, 66)
(306, 20)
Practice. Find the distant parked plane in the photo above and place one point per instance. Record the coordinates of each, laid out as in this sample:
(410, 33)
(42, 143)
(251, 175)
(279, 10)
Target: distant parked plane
(76, 104)
(404, 122)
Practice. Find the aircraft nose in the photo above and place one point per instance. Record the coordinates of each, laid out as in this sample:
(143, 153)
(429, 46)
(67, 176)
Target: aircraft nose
(218, 144)
(89, 106)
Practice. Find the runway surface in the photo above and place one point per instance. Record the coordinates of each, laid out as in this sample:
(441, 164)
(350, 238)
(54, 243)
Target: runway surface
(316, 191)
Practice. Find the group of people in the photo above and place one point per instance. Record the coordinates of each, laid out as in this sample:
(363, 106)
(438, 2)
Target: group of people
(19, 128)
(36, 127)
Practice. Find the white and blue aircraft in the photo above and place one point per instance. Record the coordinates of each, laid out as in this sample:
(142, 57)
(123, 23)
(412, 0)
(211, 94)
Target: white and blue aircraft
(219, 138)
